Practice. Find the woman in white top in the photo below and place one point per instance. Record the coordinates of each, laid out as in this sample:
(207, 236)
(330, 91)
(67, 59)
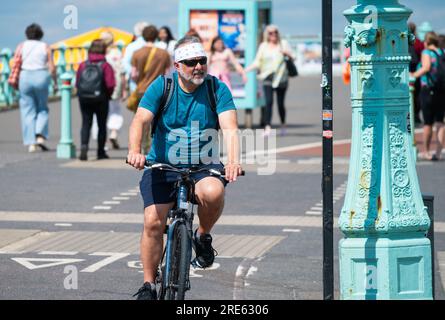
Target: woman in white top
(34, 80)
(271, 65)
(167, 42)
(115, 119)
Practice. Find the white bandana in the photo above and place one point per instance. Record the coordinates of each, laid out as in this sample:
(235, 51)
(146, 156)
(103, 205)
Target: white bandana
(188, 51)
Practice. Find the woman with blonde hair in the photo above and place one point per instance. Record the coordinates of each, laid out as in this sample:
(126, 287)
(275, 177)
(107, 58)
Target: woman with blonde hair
(271, 64)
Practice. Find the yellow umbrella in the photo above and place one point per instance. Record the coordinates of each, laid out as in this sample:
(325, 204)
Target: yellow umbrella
(86, 38)
(76, 47)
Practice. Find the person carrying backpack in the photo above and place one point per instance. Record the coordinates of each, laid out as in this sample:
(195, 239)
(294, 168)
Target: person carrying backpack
(195, 106)
(95, 84)
(431, 72)
(415, 51)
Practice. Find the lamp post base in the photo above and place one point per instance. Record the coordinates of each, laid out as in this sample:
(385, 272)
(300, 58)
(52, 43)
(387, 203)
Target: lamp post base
(386, 268)
(66, 151)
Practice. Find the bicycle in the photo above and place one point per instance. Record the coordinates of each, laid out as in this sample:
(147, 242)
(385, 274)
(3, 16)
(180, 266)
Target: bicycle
(173, 271)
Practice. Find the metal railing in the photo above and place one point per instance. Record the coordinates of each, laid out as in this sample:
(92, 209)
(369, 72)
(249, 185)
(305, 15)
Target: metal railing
(66, 59)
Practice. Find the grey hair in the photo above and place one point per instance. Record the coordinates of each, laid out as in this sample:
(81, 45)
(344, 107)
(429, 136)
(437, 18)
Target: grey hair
(138, 27)
(186, 40)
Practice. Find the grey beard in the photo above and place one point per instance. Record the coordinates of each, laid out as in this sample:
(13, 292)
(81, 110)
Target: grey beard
(191, 79)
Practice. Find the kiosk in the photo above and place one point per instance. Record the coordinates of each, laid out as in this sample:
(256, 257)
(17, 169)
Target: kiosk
(240, 23)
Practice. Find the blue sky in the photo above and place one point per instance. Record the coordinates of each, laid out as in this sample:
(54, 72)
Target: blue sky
(294, 17)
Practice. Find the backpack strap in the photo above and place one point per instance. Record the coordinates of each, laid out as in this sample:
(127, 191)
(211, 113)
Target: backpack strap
(211, 96)
(165, 100)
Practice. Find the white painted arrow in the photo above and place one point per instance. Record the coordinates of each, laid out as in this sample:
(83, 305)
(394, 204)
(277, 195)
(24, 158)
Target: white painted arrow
(51, 262)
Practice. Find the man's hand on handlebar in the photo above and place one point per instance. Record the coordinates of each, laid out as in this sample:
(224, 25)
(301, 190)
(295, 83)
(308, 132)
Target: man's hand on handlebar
(233, 170)
(136, 160)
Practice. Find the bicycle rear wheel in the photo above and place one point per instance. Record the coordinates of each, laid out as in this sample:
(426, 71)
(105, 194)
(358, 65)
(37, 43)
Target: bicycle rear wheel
(179, 266)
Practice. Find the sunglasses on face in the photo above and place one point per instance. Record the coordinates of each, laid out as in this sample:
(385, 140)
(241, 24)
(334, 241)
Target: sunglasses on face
(273, 32)
(192, 63)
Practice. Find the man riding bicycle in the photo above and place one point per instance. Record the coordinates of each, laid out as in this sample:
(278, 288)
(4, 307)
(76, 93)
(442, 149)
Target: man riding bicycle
(180, 138)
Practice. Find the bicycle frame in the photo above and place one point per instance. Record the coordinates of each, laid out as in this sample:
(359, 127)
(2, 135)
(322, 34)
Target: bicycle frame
(181, 216)
(181, 212)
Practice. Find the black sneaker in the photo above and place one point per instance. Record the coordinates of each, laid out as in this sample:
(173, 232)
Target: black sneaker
(83, 154)
(205, 254)
(114, 143)
(146, 292)
(101, 156)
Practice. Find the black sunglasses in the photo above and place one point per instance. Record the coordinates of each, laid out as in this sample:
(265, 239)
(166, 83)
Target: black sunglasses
(192, 63)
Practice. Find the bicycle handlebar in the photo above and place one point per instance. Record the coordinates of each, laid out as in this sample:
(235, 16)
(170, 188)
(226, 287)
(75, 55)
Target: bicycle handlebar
(167, 167)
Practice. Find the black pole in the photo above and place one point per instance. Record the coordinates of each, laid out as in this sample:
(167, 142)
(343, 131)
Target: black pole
(328, 211)
(428, 200)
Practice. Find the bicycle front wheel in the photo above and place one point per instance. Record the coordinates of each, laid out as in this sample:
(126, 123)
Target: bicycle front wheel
(179, 266)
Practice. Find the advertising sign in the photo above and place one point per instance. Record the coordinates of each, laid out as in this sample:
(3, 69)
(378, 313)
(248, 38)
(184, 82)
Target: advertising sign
(230, 26)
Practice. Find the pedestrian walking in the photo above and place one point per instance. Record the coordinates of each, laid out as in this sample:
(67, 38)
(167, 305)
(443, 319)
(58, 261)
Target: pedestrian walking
(138, 43)
(270, 61)
(415, 51)
(33, 78)
(431, 72)
(147, 64)
(166, 40)
(346, 67)
(442, 41)
(95, 84)
(221, 59)
(115, 118)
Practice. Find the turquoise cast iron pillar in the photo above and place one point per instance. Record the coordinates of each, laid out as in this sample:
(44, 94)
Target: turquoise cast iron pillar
(385, 253)
(66, 148)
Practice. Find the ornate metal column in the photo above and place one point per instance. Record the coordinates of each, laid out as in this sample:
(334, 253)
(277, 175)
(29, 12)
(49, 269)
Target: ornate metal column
(385, 253)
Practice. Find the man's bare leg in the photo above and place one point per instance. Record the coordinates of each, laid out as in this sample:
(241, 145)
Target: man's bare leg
(155, 218)
(210, 197)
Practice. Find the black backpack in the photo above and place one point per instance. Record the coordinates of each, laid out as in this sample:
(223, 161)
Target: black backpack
(91, 82)
(438, 84)
(167, 94)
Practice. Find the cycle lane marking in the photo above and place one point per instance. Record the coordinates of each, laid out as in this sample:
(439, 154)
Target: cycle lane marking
(116, 200)
(32, 263)
(339, 193)
(244, 270)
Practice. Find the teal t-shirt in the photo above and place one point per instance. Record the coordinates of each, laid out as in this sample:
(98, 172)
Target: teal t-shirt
(185, 133)
(424, 80)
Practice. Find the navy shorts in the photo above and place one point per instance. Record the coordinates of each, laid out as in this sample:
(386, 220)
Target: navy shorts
(158, 187)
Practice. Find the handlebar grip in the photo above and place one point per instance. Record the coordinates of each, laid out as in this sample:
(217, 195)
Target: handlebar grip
(147, 163)
(223, 172)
